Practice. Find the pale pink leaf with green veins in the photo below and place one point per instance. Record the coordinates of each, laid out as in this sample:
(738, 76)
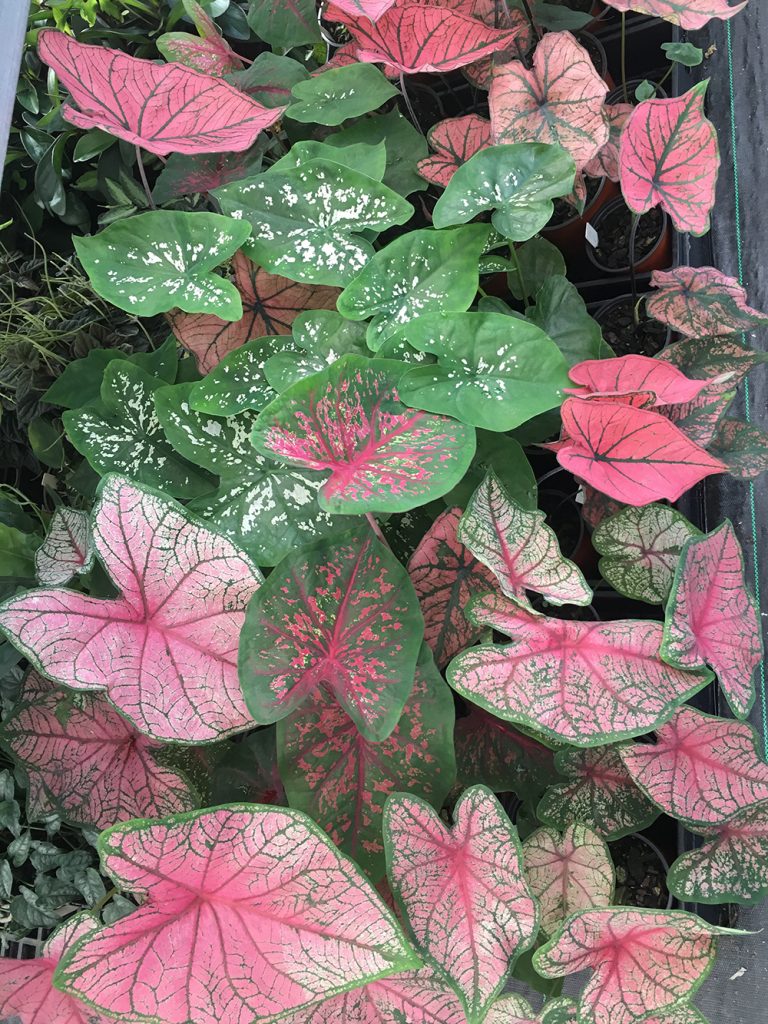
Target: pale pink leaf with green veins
(165, 650)
(462, 889)
(454, 141)
(246, 912)
(606, 163)
(519, 548)
(627, 374)
(67, 549)
(642, 960)
(713, 619)
(688, 14)
(514, 1009)
(700, 302)
(701, 768)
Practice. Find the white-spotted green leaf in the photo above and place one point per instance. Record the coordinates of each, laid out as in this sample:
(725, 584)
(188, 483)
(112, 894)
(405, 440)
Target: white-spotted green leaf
(370, 160)
(238, 382)
(339, 93)
(323, 336)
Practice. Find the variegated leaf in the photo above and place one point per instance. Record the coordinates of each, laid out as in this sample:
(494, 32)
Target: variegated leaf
(238, 382)
(606, 162)
(688, 14)
(701, 302)
(742, 447)
(454, 141)
(67, 550)
(322, 336)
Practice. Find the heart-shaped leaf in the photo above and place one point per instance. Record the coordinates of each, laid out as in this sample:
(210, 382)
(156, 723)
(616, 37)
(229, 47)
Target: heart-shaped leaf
(599, 792)
(606, 163)
(562, 314)
(404, 144)
(446, 576)
(67, 549)
(339, 616)
(514, 1009)
(227, 933)
(688, 14)
(517, 182)
(462, 889)
(165, 649)
(285, 25)
(454, 142)
(567, 872)
(701, 768)
(371, 9)
(307, 220)
(270, 305)
(587, 683)
(185, 175)
(207, 52)
(332, 96)
(382, 456)
(713, 619)
(238, 382)
(640, 549)
(670, 158)
(323, 336)
(92, 766)
(559, 101)
(152, 262)
(163, 108)
(742, 447)
(701, 302)
(633, 455)
(708, 357)
(642, 960)
(626, 374)
(519, 548)
(342, 780)
(269, 80)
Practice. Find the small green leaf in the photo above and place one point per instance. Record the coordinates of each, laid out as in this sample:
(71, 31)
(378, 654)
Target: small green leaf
(80, 382)
(340, 93)
(45, 442)
(533, 264)
(17, 552)
(91, 144)
(284, 24)
(325, 336)
(562, 314)
(508, 461)
(687, 54)
(405, 147)
(269, 79)
(645, 91)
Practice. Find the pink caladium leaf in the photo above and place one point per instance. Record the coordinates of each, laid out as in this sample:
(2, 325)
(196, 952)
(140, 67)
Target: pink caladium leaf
(163, 108)
(606, 163)
(599, 792)
(713, 358)
(701, 769)
(342, 780)
(583, 682)
(270, 305)
(185, 175)
(371, 9)
(670, 158)
(701, 302)
(700, 418)
(568, 872)
(454, 142)
(91, 764)
(635, 456)
(559, 101)
(446, 576)
(247, 912)
(208, 52)
(742, 447)
(67, 550)
(713, 619)
(165, 650)
(514, 1009)
(643, 961)
(382, 456)
(688, 14)
(338, 615)
(628, 374)
(462, 890)
(597, 507)
(519, 548)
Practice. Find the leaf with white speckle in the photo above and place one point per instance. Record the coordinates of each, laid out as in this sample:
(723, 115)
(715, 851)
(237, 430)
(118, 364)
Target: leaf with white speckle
(323, 336)
(238, 382)
(332, 96)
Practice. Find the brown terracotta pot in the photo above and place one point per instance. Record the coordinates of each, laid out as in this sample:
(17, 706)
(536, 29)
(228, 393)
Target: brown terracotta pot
(569, 236)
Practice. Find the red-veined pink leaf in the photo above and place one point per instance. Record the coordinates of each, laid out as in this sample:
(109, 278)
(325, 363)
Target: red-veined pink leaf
(627, 374)
(342, 780)
(165, 650)
(700, 302)
(635, 456)
(371, 9)
(599, 792)
(208, 52)
(688, 14)
(163, 108)
(462, 890)
(186, 174)
(88, 761)
(713, 619)
(606, 162)
(583, 682)
(742, 447)
(383, 456)
(701, 768)
(246, 912)
(597, 507)
(643, 960)
(567, 872)
(559, 101)
(337, 615)
(270, 305)
(67, 549)
(514, 1009)
(669, 157)
(342, 57)
(454, 142)
(446, 576)
(519, 548)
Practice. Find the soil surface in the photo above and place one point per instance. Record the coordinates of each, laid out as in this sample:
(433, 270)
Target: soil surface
(614, 227)
(626, 337)
(564, 211)
(640, 875)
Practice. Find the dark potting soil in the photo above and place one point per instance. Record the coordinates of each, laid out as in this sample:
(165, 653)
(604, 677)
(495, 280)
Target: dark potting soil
(640, 874)
(625, 337)
(615, 229)
(564, 211)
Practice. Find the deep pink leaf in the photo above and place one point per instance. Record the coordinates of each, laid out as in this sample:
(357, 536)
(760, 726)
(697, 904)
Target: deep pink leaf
(670, 157)
(688, 14)
(606, 162)
(635, 456)
(454, 142)
(742, 447)
(247, 912)
(462, 889)
(163, 108)
(165, 650)
(559, 101)
(371, 9)
(626, 374)
(446, 576)
(701, 768)
(582, 682)
(67, 549)
(700, 302)
(713, 619)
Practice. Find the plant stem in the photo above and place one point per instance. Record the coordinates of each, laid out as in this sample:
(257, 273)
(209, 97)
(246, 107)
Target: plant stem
(519, 271)
(376, 528)
(529, 16)
(143, 176)
(632, 272)
(624, 57)
(406, 97)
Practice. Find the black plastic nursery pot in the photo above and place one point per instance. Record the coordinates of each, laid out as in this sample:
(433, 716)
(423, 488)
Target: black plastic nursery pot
(619, 247)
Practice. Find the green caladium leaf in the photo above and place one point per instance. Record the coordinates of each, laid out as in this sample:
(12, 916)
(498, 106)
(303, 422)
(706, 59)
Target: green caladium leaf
(517, 181)
(307, 221)
(335, 95)
(323, 336)
(269, 79)
(508, 461)
(79, 383)
(285, 24)
(163, 260)
(492, 371)
(420, 272)
(534, 263)
(561, 313)
(122, 434)
(238, 382)
(360, 157)
(405, 147)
